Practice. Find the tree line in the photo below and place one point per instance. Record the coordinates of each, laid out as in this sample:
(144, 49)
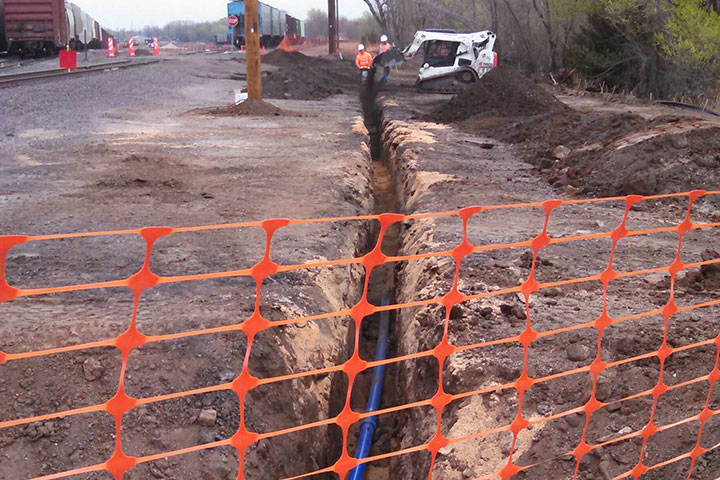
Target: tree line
(180, 30)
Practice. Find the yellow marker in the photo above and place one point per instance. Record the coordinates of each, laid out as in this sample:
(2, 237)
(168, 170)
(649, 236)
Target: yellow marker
(67, 47)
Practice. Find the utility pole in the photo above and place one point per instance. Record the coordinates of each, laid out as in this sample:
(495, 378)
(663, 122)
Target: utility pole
(252, 47)
(332, 27)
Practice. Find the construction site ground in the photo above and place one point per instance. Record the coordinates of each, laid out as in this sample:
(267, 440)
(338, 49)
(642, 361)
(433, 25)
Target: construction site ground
(135, 148)
(440, 167)
(129, 149)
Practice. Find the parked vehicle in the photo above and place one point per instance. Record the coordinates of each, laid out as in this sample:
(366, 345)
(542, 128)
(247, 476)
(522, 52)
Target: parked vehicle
(42, 27)
(275, 25)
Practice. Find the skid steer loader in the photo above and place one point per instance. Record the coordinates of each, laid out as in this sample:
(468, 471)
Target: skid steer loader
(452, 61)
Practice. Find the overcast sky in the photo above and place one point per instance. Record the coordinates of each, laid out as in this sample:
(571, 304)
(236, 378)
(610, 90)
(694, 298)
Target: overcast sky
(136, 13)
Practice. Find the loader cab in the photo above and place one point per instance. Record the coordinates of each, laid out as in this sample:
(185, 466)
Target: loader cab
(440, 53)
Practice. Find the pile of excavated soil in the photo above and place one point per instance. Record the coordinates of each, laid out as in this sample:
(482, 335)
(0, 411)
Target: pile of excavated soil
(307, 78)
(282, 57)
(502, 92)
(250, 108)
(606, 154)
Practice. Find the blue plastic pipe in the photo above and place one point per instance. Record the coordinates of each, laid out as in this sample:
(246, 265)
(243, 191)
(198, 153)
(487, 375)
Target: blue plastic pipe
(367, 426)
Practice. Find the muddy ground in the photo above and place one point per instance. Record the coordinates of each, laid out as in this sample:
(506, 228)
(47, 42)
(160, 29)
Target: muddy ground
(439, 167)
(146, 155)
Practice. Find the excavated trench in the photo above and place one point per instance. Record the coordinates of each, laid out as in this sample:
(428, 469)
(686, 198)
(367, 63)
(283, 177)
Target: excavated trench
(381, 286)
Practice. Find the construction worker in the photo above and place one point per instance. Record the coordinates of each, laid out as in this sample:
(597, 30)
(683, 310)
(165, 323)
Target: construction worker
(384, 47)
(364, 62)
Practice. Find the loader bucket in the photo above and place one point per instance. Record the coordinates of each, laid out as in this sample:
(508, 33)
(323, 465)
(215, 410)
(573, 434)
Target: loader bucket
(390, 58)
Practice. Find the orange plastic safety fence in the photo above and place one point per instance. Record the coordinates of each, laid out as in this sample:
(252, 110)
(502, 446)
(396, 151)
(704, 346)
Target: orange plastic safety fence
(121, 403)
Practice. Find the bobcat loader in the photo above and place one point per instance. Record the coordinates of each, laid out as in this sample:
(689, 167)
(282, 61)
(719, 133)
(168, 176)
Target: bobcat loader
(452, 61)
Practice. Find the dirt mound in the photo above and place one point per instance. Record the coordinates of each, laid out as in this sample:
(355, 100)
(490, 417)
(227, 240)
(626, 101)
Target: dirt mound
(607, 154)
(656, 160)
(282, 57)
(307, 78)
(502, 92)
(250, 108)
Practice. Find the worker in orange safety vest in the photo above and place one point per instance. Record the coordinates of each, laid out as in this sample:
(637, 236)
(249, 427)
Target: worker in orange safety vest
(384, 47)
(364, 61)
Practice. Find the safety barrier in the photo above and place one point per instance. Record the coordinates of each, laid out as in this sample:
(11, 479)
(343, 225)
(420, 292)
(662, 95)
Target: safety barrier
(121, 403)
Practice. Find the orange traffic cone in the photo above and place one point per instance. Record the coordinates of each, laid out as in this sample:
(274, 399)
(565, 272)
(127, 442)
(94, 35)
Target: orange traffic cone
(263, 50)
(242, 48)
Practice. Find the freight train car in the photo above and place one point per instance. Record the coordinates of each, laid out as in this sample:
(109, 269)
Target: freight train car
(275, 24)
(41, 27)
(3, 38)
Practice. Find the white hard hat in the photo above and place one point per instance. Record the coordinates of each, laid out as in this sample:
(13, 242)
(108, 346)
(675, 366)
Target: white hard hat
(383, 38)
(361, 47)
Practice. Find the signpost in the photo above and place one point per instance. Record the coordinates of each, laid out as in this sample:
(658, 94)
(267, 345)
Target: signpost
(252, 41)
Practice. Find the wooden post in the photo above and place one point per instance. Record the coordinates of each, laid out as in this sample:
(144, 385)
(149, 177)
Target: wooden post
(252, 54)
(332, 27)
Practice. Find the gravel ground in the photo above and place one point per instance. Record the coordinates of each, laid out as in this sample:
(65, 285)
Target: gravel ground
(73, 104)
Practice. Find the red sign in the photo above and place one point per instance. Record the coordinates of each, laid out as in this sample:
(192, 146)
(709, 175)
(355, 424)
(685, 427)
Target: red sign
(233, 21)
(68, 59)
(156, 46)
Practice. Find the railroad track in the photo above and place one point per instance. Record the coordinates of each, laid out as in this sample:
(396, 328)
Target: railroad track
(7, 65)
(13, 79)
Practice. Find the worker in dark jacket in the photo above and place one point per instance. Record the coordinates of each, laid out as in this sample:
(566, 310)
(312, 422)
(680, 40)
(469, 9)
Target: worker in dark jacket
(384, 47)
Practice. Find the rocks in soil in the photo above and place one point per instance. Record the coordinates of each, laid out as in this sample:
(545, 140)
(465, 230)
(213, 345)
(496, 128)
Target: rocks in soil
(92, 369)
(603, 389)
(207, 417)
(207, 435)
(551, 292)
(544, 409)
(577, 352)
(712, 270)
(641, 183)
(220, 470)
(502, 92)
(604, 468)
(561, 152)
(574, 420)
(486, 312)
(512, 311)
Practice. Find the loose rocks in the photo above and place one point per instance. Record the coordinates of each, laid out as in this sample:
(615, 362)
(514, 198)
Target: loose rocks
(92, 369)
(577, 352)
(207, 417)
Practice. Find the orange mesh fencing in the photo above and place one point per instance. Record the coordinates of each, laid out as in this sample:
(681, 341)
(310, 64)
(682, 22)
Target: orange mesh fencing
(132, 338)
